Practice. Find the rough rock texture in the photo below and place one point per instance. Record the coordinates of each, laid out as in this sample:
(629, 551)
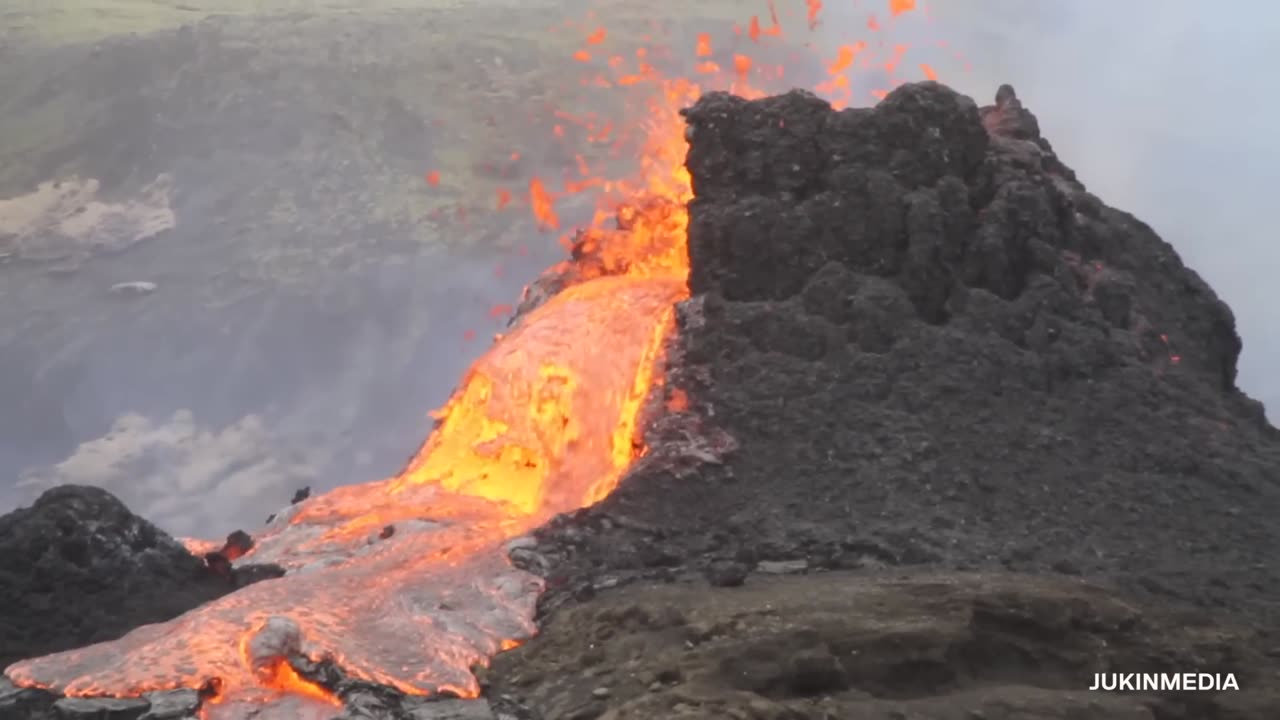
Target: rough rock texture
(932, 346)
(78, 568)
(28, 704)
(839, 645)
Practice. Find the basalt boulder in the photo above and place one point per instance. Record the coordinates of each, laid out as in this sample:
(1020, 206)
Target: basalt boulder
(77, 567)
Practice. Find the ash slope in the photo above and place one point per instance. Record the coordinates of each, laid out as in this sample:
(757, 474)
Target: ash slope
(934, 347)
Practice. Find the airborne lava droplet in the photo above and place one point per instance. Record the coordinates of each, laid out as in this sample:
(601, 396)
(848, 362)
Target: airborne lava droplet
(814, 8)
(704, 45)
(543, 205)
(898, 7)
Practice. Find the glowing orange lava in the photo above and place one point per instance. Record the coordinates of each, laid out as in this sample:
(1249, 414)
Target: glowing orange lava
(405, 581)
(276, 675)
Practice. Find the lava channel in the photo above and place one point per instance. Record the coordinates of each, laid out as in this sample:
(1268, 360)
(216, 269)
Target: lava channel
(541, 424)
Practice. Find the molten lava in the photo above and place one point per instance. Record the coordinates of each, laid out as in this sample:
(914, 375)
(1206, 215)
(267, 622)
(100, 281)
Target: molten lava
(405, 581)
(540, 422)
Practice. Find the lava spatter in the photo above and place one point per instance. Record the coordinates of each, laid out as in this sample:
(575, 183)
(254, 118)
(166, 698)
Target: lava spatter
(545, 422)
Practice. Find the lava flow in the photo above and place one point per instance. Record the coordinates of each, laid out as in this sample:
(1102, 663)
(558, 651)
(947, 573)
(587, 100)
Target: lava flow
(404, 581)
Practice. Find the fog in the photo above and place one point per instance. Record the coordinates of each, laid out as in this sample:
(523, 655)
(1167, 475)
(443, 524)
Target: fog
(206, 416)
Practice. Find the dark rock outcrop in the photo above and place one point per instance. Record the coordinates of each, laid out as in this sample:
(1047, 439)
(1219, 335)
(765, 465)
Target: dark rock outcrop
(933, 346)
(77, 567)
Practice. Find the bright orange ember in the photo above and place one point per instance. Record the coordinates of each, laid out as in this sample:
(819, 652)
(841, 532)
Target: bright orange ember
(405, 581)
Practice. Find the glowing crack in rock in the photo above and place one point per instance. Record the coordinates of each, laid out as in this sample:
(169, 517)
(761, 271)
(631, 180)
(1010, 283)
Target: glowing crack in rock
(405, 581)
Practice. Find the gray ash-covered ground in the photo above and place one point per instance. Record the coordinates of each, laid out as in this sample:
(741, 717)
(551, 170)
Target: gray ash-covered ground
(931, 345)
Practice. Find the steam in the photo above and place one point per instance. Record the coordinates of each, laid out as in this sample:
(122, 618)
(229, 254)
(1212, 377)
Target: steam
(180, 471)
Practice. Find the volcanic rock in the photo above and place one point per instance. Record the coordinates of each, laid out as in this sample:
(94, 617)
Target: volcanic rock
(238, 543)
(451, 710)
(782, 567)
(172, 705)
(727, 574)
(926, 337)
(376, 704)
(249, 574)
(276, 641)
(77, 567)
(18, 703)
(101, 708)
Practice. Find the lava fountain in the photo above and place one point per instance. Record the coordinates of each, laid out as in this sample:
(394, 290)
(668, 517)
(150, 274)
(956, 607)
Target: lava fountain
(404, 582)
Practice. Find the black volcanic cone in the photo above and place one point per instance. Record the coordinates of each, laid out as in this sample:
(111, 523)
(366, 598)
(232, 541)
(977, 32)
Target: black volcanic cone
(934, 347)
